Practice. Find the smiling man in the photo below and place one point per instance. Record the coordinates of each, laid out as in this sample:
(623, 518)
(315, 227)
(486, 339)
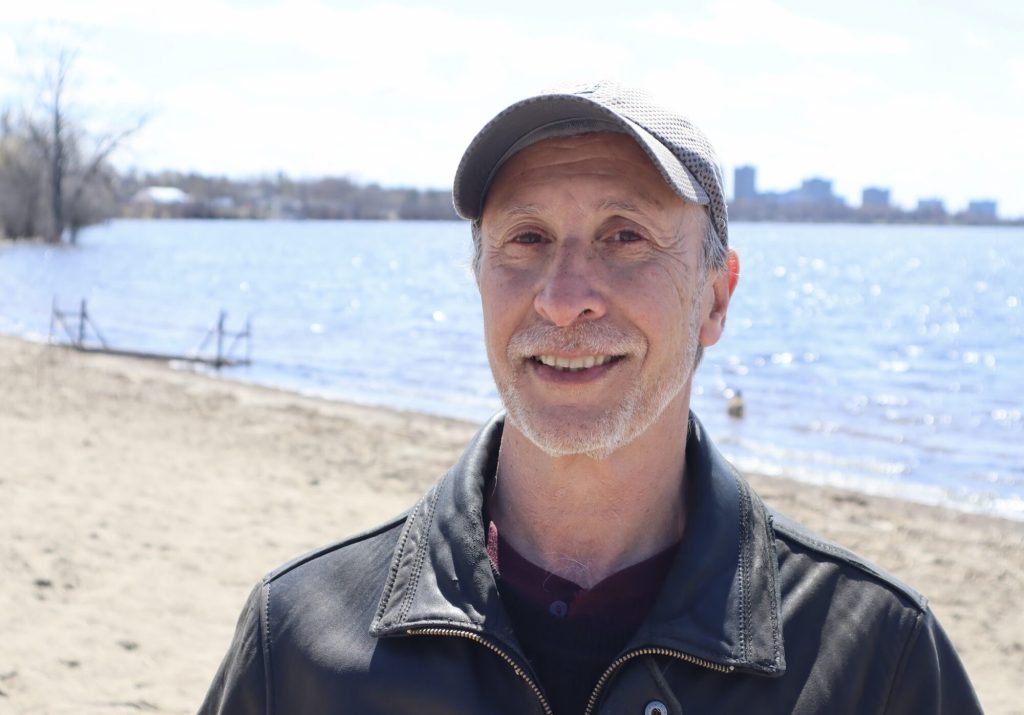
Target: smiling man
(591, 552)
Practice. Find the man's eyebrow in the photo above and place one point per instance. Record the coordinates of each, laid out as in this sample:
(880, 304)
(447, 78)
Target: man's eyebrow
(612, 205)
(521, 210)
(626, 206)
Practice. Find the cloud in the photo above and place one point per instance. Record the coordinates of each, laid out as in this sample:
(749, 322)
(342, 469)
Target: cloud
(751, 24)
(1015, 67)
(9, 59)
(391, 91)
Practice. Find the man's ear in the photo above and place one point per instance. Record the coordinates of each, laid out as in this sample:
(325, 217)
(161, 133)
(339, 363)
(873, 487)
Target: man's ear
(721, 285)
(732, 265)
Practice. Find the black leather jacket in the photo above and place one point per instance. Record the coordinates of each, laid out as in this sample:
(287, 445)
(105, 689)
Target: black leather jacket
(756, 615)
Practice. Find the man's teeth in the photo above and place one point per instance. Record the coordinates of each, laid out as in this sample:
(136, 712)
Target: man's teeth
(578, 363)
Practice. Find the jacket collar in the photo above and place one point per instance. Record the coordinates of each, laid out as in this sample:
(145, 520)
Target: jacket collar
(720, 601)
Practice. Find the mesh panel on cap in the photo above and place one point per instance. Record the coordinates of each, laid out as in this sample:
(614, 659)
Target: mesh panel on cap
(679, 134)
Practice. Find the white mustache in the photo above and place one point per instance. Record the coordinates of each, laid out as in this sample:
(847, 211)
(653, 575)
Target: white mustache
(591, 338)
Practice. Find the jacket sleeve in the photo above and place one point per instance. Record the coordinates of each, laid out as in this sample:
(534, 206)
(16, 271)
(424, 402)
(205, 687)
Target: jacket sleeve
(240, 686)
(931, 678)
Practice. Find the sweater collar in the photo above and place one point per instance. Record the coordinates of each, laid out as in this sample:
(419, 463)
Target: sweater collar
(720, 600)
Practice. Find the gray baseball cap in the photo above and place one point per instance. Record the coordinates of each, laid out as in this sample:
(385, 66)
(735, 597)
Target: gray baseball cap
(679, 150)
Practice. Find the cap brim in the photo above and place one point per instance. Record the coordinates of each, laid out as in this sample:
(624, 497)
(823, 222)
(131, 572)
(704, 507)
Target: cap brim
(482, 158)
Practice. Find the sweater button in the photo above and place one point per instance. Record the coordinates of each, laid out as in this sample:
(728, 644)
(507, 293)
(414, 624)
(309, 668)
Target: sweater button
(656, 707)
(558, 609)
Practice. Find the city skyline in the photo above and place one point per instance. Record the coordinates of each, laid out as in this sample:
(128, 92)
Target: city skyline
(820, 189)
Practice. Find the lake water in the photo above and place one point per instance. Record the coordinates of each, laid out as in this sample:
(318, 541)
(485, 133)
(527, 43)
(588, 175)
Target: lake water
(886, 358)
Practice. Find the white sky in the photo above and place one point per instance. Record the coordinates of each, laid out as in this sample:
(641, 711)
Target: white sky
(924, 98)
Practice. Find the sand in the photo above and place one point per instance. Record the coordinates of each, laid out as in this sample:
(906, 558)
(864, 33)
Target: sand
(139, 504)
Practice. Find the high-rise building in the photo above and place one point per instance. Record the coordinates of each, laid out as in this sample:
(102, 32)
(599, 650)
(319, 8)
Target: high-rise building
(934, 208)
(744, 183)
(875, 198)
(817, 191)
(982, 208)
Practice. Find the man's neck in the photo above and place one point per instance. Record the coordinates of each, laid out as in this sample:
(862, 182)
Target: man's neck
(585, 519)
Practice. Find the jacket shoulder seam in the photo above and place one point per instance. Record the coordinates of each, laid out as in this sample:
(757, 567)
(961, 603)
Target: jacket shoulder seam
(786, 528)
(264, 624)
(329, 548)
(915, 633)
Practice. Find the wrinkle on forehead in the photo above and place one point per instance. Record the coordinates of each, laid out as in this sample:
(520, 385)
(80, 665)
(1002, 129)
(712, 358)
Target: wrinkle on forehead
(635, 199)
(630, 206)
(521, 210)
(594, 156)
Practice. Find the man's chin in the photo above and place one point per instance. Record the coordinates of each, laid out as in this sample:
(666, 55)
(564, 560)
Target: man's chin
(572, 431)
(592, 430)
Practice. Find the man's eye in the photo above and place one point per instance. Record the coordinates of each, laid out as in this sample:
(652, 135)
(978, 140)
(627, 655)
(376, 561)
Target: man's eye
(528, 237)
(626, 236)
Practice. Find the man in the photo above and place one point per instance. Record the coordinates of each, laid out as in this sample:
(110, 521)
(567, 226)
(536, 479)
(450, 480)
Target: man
(591, 551)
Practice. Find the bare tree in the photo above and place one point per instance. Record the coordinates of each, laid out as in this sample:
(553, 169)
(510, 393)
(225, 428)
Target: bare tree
(21, 181)
(77, 183)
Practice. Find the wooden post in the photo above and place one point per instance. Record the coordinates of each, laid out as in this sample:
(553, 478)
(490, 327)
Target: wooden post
(81, 324)
(220, 338)
(53, 316)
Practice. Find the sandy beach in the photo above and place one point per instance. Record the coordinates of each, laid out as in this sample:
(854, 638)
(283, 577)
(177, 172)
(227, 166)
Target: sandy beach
(139, 504)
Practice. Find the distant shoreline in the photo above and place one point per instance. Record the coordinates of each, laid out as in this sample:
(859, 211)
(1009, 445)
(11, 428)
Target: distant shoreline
(177, 195)
(1000, 223)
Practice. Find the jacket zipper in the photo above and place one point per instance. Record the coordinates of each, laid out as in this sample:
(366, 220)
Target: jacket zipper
(458, 633)
(685, 657)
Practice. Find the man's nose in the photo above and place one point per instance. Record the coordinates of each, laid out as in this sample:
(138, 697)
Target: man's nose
(572, 288)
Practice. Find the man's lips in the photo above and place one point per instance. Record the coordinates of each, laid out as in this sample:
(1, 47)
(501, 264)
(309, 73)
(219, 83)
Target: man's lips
(582, 351)
(575, 364)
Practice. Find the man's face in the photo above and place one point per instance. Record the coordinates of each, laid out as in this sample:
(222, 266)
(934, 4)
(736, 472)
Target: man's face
(594, 293)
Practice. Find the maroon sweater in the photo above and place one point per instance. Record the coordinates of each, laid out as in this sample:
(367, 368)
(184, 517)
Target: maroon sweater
(572, 634)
